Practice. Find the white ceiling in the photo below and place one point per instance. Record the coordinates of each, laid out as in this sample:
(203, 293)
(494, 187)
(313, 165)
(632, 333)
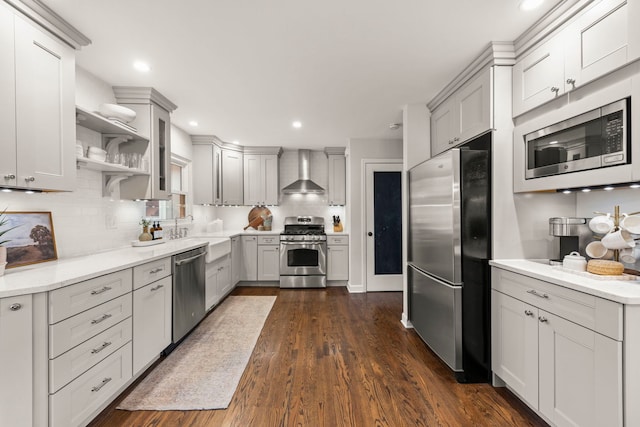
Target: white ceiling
(245, 69)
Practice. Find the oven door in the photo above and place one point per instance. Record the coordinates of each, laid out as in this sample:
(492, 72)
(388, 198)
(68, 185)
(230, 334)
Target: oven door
(303, 258)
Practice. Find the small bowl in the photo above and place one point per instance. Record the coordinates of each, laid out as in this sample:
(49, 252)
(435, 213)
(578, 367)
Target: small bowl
(117, 112)
(99, 157)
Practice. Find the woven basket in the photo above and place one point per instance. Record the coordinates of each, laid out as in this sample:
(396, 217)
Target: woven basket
(607, 268)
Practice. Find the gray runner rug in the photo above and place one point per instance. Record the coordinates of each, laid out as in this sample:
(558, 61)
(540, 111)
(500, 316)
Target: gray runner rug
(204, 371)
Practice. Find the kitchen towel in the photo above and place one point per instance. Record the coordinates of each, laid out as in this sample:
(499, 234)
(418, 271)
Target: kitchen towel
(204, 371)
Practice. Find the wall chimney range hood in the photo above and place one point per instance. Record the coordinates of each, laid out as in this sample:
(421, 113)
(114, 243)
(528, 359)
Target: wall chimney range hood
(303, 185)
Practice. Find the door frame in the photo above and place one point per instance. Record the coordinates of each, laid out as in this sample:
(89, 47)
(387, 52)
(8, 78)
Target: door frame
(363, 210)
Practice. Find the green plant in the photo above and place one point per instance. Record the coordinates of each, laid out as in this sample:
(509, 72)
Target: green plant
(4, 221)
(145, 222)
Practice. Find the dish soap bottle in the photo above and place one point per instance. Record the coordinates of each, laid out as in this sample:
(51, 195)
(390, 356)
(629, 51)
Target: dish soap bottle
(159, 233)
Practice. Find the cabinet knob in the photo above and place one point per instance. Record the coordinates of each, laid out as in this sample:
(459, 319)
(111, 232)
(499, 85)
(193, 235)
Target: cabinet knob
(30, 178)
(571, 82)
(10, 176)
(528, 313)
(15, 306)
(456, 139)
(555, 89)
(543, 319)
(451, 141)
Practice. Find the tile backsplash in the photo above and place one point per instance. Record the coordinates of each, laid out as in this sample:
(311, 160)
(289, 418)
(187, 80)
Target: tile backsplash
(83, 220)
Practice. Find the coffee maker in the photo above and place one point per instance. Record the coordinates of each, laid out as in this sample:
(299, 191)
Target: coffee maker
(573, 233)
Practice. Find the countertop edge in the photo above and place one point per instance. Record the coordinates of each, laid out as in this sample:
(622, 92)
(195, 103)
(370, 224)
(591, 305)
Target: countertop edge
(624, 292)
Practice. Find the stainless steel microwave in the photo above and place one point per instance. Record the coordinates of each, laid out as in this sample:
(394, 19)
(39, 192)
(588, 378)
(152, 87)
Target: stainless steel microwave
(596, 139)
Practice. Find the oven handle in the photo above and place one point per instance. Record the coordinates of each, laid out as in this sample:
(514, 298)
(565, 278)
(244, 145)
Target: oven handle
(317, 242)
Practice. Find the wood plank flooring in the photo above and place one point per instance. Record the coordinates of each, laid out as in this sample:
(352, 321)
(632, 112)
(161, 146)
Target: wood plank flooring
(329, 358)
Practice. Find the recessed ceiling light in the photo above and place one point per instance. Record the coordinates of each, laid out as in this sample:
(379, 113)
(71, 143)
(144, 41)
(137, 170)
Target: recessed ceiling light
(6, 190)
(586, 190)
(193, 123)
(141, 66)
(296, 124)
(634, 186)
(530, 4)
(566, 192)
(608, 188)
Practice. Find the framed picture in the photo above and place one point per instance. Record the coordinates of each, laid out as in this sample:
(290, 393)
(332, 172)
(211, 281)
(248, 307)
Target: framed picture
(30, 238)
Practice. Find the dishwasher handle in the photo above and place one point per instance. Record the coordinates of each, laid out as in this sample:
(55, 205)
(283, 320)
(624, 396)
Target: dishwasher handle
(190, 259)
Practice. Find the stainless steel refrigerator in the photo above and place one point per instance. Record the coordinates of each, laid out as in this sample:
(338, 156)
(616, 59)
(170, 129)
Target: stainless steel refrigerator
(449, 250)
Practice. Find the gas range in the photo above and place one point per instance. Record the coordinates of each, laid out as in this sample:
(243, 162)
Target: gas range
(303, 229)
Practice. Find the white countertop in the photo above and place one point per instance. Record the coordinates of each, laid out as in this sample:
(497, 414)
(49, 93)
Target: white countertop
(56, 274)
(622, 291)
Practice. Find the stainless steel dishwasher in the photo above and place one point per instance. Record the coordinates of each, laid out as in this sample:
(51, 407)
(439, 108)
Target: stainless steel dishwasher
(188, 291)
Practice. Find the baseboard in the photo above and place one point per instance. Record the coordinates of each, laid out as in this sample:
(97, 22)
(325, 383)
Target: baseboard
(355, 289)
(406, 322)
(336, 283)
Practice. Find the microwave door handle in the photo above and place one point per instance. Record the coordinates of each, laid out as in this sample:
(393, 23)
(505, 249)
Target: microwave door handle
(574, 121)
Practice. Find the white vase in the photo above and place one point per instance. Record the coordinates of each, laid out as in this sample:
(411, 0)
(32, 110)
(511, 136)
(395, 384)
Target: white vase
(3, 254)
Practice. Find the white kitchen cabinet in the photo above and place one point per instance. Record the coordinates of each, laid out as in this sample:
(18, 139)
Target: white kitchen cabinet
(249, 266)
(153, 119)
(261, 182)
(206, 174)
(218, 281)
(37, 107)
(236, 260)
(268, 258)
(151, 322)
(232, 177)
(16, 361)
(338, 257)
(595, 43)
(336, 188)
(465, 114)
(560, 350)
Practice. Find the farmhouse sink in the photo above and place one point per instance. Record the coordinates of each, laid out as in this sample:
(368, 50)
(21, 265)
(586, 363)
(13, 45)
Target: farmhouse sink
(218, 247)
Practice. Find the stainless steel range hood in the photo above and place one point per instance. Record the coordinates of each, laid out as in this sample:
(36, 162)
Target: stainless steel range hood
(303, 185)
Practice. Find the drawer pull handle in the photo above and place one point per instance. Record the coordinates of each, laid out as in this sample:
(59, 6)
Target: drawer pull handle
(543, 319)
(156, 270)
(100, 291)
(102, 347)
(157, 287)
(101, 319)
(15, 306)
(528, 313)
(102, 384)
(533, 292)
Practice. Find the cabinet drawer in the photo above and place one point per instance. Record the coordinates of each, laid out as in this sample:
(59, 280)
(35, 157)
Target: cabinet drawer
(77, 329)
(337, 240)
(72, 405)
(68, 301)
(268, 240)
(598, 314)
(68, 366)
(150, 272)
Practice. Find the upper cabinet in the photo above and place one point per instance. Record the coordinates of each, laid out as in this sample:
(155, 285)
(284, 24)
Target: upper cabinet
(466, 113)
(261, 175)
(153, 120)
(596, 42)
(207, 166)
(336, 188)
(232, 177)
(37, 106)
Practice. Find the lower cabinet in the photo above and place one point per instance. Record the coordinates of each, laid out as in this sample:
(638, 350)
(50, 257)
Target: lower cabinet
(337, 258)
(249, 265)
(16, 361)
(269, 258)
(570, 373)
(218, 281)
(236, 259)
(151, 322)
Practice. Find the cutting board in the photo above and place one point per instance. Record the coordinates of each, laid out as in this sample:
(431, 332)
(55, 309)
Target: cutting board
(256, 216)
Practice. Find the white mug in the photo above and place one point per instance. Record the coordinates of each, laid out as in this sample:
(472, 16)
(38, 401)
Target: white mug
(620, 239)
(629, 255)
(631, 223)
(598, 250)
(601, 224)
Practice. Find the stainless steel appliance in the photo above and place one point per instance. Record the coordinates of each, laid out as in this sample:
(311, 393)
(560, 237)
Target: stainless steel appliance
(303, 253)
(573, 233)
(188, 291)
(449, 251)
(596, 139)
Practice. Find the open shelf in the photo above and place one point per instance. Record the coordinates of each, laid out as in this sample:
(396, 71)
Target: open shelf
(103, 125)
(113, 168)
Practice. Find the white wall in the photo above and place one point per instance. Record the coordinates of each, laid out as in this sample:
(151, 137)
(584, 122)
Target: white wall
(358, 150)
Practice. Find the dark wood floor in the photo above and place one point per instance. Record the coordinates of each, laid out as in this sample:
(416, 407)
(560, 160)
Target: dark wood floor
(330, 358)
